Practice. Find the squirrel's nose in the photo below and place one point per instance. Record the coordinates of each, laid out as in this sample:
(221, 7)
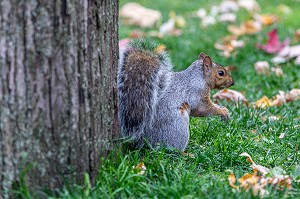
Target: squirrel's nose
(232, 83)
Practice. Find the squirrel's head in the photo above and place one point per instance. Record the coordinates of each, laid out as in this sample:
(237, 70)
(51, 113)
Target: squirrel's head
(216, 75)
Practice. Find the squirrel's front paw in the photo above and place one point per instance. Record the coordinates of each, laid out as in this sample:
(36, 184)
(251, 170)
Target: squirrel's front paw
(224, 114)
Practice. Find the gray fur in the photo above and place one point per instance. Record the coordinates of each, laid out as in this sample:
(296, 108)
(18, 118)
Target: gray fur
(150, 103)
(170, 128)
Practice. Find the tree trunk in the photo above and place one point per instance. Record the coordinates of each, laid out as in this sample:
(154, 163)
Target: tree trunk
(58, 62)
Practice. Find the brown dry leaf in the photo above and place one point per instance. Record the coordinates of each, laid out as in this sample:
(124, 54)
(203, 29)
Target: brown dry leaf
(232, 180)
(171, 27)
(236, 30)
(282, 97)
(293, 95)
(297, 35)
(231, 68)
(290, 51)
(249, 27)
(136, 14)
(263, 170)
(278, 71)
(228, 45)
(249, 159)
(248, 180)
(262, 67)
(279, 99)
(208, 20)
(257, 181)
(140, 168)
(252, 27)
(230, 95)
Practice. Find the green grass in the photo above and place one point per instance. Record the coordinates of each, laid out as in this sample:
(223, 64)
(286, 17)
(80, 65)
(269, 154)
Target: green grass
(215, 144)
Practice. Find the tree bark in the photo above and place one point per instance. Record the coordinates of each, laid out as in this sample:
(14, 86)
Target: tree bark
(58, 62)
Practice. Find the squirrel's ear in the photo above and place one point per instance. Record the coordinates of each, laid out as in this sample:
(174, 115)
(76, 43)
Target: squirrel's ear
(202, 56)
(207, 65)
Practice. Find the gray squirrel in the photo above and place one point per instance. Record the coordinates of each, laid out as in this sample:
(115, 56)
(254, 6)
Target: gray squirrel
(154, 102)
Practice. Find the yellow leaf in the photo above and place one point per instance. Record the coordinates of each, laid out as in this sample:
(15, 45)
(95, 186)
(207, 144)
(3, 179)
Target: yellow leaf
(159, 49)
(248, 180)
(263, 102)
(232, 180)
(268, 19)
(140, 168)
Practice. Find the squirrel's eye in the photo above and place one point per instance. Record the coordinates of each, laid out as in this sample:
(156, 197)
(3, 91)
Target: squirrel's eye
(221, 73)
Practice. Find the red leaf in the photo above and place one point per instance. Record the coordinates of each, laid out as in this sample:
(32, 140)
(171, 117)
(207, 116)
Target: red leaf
(273, 45)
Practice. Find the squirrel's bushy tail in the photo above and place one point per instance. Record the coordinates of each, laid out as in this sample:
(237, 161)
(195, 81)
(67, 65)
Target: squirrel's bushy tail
(143, 75)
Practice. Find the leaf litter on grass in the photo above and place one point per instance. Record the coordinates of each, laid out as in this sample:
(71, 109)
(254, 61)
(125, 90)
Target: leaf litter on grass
(261, 178)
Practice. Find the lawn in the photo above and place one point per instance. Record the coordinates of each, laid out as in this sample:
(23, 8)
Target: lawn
(216, 145)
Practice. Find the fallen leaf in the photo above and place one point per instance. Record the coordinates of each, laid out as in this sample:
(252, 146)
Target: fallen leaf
(231, 68)
(201, 13)
(262, 67)
(232, 180)
(281, 135)
(248, 180)
(249, 159)
(273, 45)
(208, 20)
(263, 170)
(136, 14)
(263, 102)
(261, 178)
(278, 60)
(230, 95)
(279, 99)
(227, 17)
(140, 168)
(297, 35)
(167, 27)
(293, 95)
(297, 61)
(266, 19)
(282, 97)
(250, 5)
(214, 11)
(228, 45)
(179, 20)
(284, 9)
(159, 49)
(290, 52)
(227, 6)
(277, 70)
(171, 27)
(249, 27)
